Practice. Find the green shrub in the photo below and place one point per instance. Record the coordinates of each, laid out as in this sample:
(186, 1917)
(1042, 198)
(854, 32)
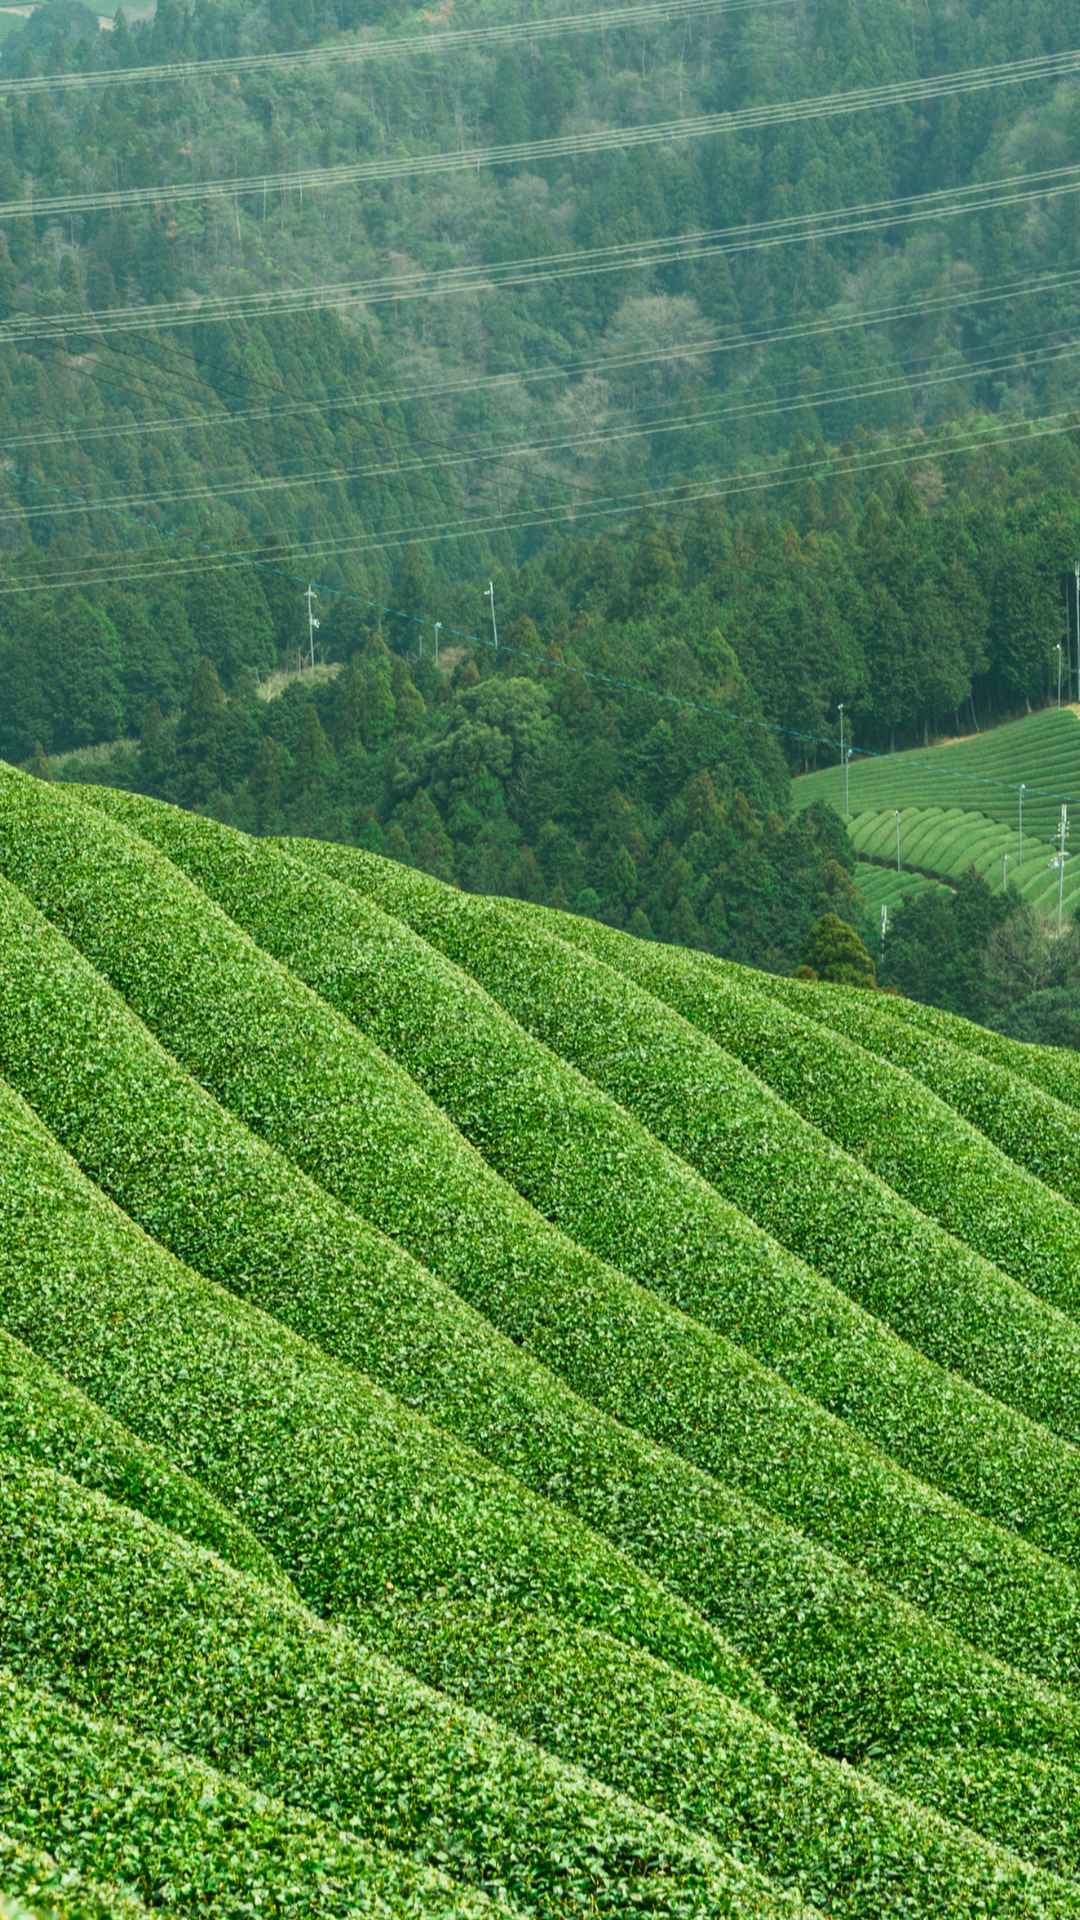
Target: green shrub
(809, 1824)
(906, 1537)
(761, 1155)
(183, 1836)
(1034, 1131)
(261, 1690)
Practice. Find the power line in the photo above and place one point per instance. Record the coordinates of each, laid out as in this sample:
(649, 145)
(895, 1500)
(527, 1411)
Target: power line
(604, 363)
(560, 146)
(879, 387)
(363, 53)
(645, 500)
(542, 270)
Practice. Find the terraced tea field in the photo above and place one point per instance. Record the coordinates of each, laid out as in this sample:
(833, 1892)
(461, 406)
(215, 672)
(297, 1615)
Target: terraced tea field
(503, 1419)
(959, 808)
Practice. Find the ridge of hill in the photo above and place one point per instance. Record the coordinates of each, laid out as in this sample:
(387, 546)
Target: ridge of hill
(452, 1458)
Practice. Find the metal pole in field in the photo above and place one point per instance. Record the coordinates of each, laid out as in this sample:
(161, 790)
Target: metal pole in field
(438, 630)
(843, 761)
(1063, 833)
(884, 926)
(1059, 672)
(897, 839)
(1023, 790)
(1005, 873)
(489, 594)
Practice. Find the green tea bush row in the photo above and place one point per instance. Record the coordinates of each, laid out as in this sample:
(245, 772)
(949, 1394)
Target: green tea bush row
(764, 1157)
(357, 1496)
(907, 1537)
(44, 1418)
(1056, 1070)
(185, 1837)
(937, 1158)
(261, 1690)
(997, 1333)
(809, 1824)
(1028, 1805)
(56, 1892)
(1034, 1130)
(859, 1666)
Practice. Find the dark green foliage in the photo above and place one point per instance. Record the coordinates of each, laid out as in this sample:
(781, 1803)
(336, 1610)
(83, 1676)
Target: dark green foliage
(833, 951)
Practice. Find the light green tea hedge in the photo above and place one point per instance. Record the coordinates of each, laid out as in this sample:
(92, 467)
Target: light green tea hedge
(264, 1692)
(807, 1823)
(36, 1887)
(1032, 1128)
(856, 1664)
(185, 1837)
(356, 1496)
(305, 1076)
(752, 1147)
(1028, 1805)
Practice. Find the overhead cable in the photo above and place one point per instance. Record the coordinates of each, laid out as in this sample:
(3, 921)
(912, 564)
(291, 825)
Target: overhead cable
(559, 146)
(353, 53)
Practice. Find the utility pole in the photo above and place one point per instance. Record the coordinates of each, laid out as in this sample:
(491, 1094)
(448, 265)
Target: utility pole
(884, 926)
(489, 594)
(898, 840)
(1023, 790)
(1079, 630)
(438, 630)
(1059, 862)
(1004, 873)
(843, 760)
(1059, 674)
(313, 626)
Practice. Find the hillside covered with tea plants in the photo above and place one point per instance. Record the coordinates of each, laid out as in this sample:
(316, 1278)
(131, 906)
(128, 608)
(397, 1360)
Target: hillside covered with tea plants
(505, 1418)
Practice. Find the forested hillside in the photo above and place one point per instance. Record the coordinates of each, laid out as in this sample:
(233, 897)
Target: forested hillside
(851, 430)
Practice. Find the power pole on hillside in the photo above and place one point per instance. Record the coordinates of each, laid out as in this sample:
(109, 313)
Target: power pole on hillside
(898, 840)
(489, 594)
(1059, 674)
(843, 756)
(438, 630)
(1004, 873)
(1058, 861)
(1079, 630)
(313, 626)
(1023, 790)
(884, 927)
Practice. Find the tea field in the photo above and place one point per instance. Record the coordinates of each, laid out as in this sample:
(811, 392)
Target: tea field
(959, 807)
(499, 1418)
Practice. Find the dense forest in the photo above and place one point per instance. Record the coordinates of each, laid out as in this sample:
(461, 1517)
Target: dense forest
(850, 496)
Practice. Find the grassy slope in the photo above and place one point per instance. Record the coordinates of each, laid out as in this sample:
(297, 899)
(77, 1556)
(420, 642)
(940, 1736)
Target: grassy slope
(354, 1736)
(858, 1666)
(905, 1536)
(86, 1585)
